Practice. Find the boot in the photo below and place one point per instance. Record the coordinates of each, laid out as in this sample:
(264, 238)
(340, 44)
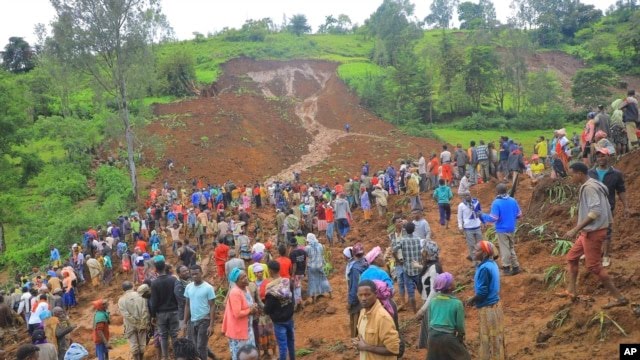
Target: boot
(514, 271)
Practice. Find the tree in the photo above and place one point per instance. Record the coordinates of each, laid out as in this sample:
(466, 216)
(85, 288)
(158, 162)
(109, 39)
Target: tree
(543, 91)
(177, 74)
(477, 16)
(111, 41)
(341, 25)
(589, 86)
(441, 13)
(480, 73)
(298, 25)
(393, 31)
(629, 40)
(18, 57)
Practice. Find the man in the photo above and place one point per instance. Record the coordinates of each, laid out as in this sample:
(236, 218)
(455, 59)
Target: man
(184, 278)
(381, 199)
(422, 171)
(279, 305)
(38, 308)
(175, 235)
(135, 314)
(292, 224)
(505, 213)
(54, 256)
(443, 195)
(461, 159)
(413, 191)
(280, 216)
(355, 268)
(411, 252)
(422, 230)
(433, 168)
(594, 218)
(472, 156)
(541, 149)
(469, 222)
(503, 170)
(342, 215)
(378, 338)
(330, 218)
(614, 180)
(200, 310)
(482, 153)
(164, 307)
(630, 118)
(233, 262)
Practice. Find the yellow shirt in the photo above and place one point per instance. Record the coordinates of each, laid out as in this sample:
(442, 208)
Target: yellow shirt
(537, 169)
(252, 276)
(376, 328)
(541, 148)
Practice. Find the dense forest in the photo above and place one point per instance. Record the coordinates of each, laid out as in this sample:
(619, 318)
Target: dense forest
(71, 103)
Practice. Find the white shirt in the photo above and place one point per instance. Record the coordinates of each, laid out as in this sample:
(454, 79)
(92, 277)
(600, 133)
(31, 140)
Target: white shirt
(25, 303)
(465, 185)
(258, 248)
(467, 218)
(422, 165)
(109, 240)
(35, 316)
(445, 157)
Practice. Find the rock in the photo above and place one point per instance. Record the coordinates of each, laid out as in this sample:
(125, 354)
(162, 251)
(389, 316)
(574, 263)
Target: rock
(543, 336)
(330, 310)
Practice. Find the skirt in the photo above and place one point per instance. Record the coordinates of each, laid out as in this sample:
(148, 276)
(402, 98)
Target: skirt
(443, 346)
(235, 345)
(618, 134)
(491, 332)
(69, 298)
(322, 225)
(423, 339)
(266, 338)
(318, 282)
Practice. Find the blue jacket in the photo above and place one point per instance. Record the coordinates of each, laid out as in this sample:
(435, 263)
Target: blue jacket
(443, 194)
(487, 283)
(374, 272)
(358, 267)
(504, 213)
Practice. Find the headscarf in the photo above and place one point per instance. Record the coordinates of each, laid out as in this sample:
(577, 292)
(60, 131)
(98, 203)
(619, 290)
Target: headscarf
(443, 281)
(348, 252)
(311, 239)
(158, 258)
(432, 249)
(358, 249)
(143, 289)
(280, 289)
(257, 256)
(98, 304)
(561, 132)
(600, 134)
(76, 352)
(373, 254)
(258, 268)
(234, 274)
(486, 248)
(384, 294)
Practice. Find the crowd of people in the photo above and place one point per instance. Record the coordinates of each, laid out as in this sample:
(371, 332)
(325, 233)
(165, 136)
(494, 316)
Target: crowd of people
(170, 256)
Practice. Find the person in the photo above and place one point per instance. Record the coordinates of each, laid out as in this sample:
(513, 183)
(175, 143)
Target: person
(484, 157)
(515, 165)
(199, 310)
(422, 171)
(487, 300)
(221, 255)
(505, 213)
(95, 270)
(38, 308)
(233, 263)
(69, 297)
(27, 352)
(354, 270)
(185, 349)
(184, 278)
(298, 257)
(411, 252)
(342, 216)
(614, 180)
(248, 352)
(465, 184)
(446, 322)
(347, 127)
(431, 267)
(445, 161)
(62, 330)
(54, 256)
(279, 305)
(422, 229)
(602, 120)
(328, 214)
(381, 196)
(443, 195)
(461, 158)
(164, 307)
(262, 324)
(48, 350)
(101, 320)
(378, 338)
(365, 204)
(286, 266)
(561, 153)
(135, 314)
(630, 118)
(594, 218)
(536, 169)
(238, 313)
(375, 270)
(317, 279)
(541, 150)
(292, 224)
(469, 221)
(618, 132)
(413, 191)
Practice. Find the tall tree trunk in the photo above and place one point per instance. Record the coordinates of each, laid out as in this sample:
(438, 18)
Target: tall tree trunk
(128, 132)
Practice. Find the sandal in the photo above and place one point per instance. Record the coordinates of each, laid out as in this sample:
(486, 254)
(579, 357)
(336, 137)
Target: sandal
(566, 294)
(619, 302)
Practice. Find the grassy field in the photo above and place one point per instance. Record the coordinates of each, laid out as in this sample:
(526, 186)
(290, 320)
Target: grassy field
(527, 138)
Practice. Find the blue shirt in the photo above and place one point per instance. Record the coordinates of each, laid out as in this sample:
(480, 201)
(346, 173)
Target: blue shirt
(442, 194)
(504, 213)
(487, 283)
(374, 272)
(358, 267)
(55, 254)
(199, 296)
(601, 173)
(504, 151)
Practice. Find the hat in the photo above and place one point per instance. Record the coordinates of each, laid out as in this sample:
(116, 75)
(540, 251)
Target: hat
(258, 268)
(373, 254)
(257, 256)
(143, 289)
(98, 304)
(347, 252)
(602, 150)
(358, 249)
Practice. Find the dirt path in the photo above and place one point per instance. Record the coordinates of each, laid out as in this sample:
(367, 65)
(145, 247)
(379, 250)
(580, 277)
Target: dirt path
(306, 109)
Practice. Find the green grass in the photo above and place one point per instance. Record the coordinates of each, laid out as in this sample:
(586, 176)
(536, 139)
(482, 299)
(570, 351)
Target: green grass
(527, 138)
(158, 100)
(46, 148)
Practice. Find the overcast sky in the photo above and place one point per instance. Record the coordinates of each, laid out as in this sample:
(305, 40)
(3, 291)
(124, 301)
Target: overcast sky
(18, 17)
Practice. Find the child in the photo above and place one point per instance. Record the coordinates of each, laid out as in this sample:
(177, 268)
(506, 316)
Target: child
(101, 329)
(443, 195)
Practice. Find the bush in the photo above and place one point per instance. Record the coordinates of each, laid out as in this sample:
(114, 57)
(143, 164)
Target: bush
(62, 179)
(177, 74)
(479, 121)
(112, 182)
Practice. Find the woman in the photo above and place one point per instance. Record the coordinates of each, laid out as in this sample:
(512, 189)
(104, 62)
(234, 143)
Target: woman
(262, 326)
(446, 323)
(486, 300)
(430, 270)
(588, 137)
(69, 297)
(318, 282)
(385, 294)
(365, 204)
(618, 130)
(375, 271)
(238, 311)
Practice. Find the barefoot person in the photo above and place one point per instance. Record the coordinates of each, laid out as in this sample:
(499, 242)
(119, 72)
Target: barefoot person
(594, 217)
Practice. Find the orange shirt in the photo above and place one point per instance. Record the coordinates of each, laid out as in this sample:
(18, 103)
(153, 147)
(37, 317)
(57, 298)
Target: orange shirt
(285, 266)
(328, 214)
(435, 165)
(221, 254)
(142, 245)
(339, 189)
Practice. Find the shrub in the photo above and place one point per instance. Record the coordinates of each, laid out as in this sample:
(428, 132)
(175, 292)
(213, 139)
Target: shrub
(62, 179)
(478, 121)
(177, 73)
(111, 181)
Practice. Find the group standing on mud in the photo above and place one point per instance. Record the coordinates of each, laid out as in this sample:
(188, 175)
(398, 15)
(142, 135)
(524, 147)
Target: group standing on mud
(168, 258)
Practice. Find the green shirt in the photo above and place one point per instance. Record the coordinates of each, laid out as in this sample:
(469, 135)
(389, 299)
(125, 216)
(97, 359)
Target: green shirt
(446, 312)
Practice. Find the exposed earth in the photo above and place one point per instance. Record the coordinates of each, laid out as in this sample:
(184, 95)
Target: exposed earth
(273, 118)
